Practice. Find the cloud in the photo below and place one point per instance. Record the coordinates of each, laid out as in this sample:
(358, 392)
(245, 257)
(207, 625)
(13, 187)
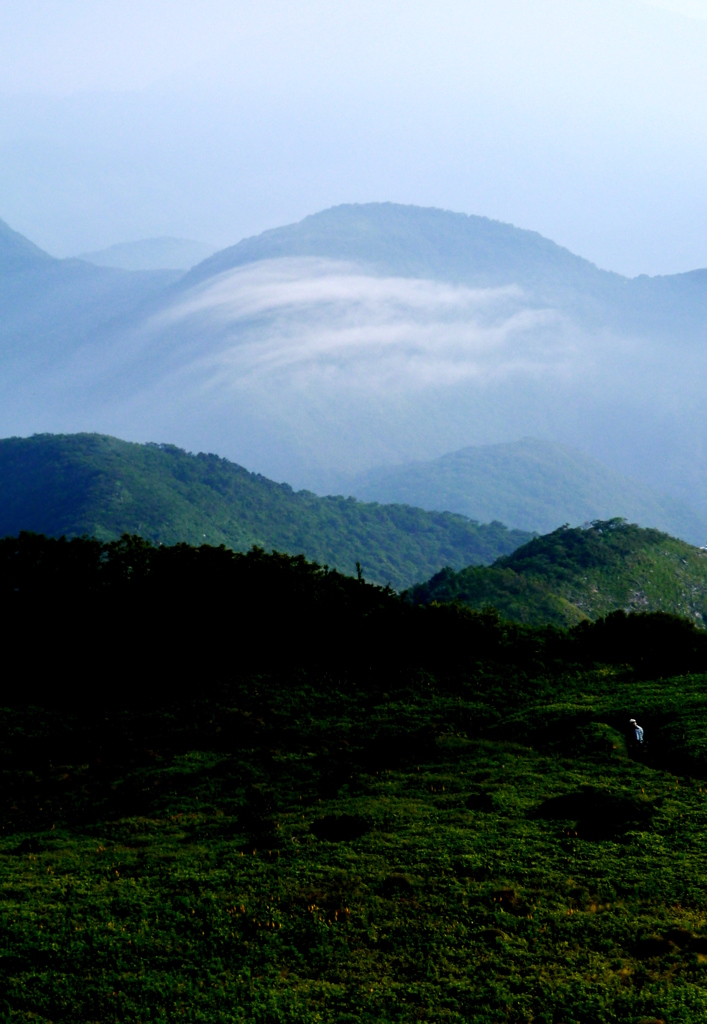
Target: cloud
(300, 368)
(309, 323)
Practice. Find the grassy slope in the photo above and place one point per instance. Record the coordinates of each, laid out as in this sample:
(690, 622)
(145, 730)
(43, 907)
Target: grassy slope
(88, 483)
(534, 485)
(520, 862)
(576, 574)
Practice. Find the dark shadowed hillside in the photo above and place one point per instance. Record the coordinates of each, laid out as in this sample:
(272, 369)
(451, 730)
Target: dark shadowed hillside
(267, 792)
(104, 487)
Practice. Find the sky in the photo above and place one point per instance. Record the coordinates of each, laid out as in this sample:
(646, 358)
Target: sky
(217, 119)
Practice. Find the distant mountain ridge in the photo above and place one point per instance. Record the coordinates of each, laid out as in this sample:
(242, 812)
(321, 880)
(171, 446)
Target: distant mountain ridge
(104, 487)
(362, 336)
(151, 254)
(428, 242)
(49, 309)
(571, 575)
(529, 484)
(18, 253)
(411, 241)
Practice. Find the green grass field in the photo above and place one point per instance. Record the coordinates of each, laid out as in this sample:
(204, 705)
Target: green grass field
(243, 788)
(190, 885)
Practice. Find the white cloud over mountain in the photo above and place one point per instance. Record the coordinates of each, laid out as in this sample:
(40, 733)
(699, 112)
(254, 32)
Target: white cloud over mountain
(315, 321)
(304, 367)
(309, 367)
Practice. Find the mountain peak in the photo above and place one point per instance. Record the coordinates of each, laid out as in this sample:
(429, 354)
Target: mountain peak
(410, 241)
(18, 253)
(581, 573)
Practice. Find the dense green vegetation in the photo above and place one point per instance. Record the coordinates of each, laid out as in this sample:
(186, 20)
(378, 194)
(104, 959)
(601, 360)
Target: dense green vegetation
(241, 787)
(103, 487)
(575, 574)
(528, 484)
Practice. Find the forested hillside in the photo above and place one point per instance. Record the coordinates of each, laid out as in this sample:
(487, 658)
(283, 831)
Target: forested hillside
(103, 487)
(267, 792)
(575, 574)
(531, 485)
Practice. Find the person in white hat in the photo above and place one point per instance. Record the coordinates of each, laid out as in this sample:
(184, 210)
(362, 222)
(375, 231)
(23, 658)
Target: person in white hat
(637, 730)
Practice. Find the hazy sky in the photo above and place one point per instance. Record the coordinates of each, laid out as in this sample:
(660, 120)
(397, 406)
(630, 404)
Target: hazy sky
(583, 119)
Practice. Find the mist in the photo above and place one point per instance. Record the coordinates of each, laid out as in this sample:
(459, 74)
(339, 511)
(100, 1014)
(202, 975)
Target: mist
(309, 370)
(218, 120)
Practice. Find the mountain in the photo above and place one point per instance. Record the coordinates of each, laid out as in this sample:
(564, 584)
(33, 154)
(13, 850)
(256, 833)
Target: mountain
(574, 574)
(432, 244)
(54, 315)
(151, 254)
(104, 487)
(18, 253)
(368, 336)
(529, 484)
(414, 242)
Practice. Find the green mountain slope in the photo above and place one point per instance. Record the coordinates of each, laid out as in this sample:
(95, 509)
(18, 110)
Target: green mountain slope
(575, 574)
(97, 485)
(529, 484)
